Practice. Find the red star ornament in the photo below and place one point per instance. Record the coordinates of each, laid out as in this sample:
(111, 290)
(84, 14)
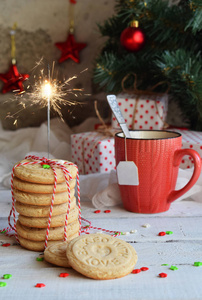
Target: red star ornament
(70, 49)
(13, 80)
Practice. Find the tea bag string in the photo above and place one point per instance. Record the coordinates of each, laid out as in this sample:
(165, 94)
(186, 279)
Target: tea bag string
(125, 143)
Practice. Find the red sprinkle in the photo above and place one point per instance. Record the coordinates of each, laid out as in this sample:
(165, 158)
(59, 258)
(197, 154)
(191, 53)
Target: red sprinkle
(6, 245)
(40, 285)
(144, 269)
(135, 271)
(162, 233)
(63, 275)
(97, 211)
(163, 275)
(107, 211)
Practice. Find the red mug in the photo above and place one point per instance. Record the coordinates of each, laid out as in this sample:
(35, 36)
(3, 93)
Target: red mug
(157, 155)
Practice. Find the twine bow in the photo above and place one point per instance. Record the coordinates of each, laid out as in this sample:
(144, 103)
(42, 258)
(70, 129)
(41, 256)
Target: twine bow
(139, 93)
(103, 129)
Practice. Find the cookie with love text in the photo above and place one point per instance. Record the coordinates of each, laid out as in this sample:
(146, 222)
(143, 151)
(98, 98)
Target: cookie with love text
(101, 256)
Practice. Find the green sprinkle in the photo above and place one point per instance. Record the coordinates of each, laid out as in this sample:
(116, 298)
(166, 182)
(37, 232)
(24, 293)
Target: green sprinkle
(197, 263)
(174, 268)
(46, 166)
(2, 283)
(4, 231)
(116, 233)
(121, 233)
(165, 264)
(39, 258)
(169, 232)
(7, 276)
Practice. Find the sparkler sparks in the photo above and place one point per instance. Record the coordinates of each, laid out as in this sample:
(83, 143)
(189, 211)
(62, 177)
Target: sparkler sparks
(48, 87)
(57, 90)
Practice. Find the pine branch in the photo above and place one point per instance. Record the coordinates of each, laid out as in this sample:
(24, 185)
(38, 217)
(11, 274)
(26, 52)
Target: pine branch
(172, 51)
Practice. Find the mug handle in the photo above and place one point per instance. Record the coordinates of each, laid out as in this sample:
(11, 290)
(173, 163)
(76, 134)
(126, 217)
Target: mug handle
(196, 172)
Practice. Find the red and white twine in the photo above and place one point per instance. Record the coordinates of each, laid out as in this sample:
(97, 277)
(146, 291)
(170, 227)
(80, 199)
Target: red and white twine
(68, 176)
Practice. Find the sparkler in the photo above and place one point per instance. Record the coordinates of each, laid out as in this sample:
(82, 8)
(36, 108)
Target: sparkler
(49, 85)
(48, 91)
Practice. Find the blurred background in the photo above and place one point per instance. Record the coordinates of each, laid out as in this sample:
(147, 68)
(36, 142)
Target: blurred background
(40, 24)
(36, 26)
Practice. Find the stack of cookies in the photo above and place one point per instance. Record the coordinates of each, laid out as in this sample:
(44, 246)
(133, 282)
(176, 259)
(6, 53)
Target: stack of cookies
(33, 186)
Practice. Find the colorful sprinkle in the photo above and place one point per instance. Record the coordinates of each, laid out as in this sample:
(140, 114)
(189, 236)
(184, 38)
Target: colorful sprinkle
(3, 231)
(163, 275)
(63, 275)
(197, 264)
(39, 258)
(45, 166)
(126, 233)
(136, 271)
(174, 268)
(97, 211)
(107, 211)
(3, 284)
(6, 245)
(40, 285)
(133, 231)
(162, 233)
(144, 269)
(169, 232)
(146, 225)
(7, 276)
(165, 264)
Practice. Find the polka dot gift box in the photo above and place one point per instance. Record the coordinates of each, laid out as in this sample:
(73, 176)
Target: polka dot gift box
(93, 152)
(191, 140)
(142, 111)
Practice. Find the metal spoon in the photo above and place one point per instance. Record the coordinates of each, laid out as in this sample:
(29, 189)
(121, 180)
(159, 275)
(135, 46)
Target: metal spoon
(116, 110)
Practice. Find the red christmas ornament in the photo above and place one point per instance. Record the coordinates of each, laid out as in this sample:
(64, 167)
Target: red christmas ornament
(70, 49)
(13, 80)
(133, 38)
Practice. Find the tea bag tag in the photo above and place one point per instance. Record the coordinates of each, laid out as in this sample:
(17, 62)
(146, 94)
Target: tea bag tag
(127, 173)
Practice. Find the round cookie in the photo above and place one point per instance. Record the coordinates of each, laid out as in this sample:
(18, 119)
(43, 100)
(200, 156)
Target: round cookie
(56, 254)
(39, 246)
(101, 256)
(43, 211)
(37, 174)
(41, 199)
(41, 188)
(56, 221)
(38, 234)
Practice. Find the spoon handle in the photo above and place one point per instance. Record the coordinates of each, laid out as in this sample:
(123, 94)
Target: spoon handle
(115, 108)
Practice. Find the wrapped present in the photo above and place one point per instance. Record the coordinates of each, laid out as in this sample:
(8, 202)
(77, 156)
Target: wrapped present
(142, 112)
(192, 140)
(142, 109)
(93, 152)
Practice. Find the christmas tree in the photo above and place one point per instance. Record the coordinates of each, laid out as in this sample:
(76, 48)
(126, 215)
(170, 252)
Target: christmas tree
(158, 42)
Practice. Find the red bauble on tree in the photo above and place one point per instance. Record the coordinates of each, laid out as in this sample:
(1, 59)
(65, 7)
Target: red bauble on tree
(133, 38)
